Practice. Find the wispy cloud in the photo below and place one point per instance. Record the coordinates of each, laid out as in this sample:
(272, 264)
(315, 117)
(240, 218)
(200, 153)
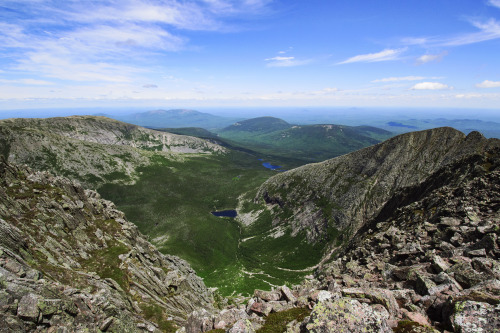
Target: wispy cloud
(401, 78)
(431, 58)
(280, 61)
(488, 84)
(494, 3)
(28, 82)
(488, 30)
(106, 40)
(431, 86)
(150, 86)
(385, 55)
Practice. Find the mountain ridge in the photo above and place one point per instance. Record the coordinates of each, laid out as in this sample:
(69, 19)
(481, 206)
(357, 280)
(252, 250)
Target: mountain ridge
(309, 143)
(177, 118)
(92, 149)
(357, 183)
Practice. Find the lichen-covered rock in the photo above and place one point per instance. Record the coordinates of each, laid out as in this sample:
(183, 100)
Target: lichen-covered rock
(199, 321)
(242, 326)
(476, 317)
(346, 315)
(376, 295)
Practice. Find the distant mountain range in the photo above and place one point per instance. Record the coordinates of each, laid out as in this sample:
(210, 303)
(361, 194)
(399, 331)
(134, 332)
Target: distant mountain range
(177, 118)
(489, 129)
(310, 143)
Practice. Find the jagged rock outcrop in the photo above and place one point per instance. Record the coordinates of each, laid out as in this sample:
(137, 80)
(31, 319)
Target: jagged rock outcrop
(346, 192)
(92, 149)
(70, 261)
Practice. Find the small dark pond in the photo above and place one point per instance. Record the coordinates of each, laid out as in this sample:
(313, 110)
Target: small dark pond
(270, 166)
(225, 213)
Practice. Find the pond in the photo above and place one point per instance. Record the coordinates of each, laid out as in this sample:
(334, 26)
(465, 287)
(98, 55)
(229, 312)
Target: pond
(270, 166)
(225, 213)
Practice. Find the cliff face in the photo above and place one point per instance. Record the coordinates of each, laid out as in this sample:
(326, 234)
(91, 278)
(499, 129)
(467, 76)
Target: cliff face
(93, 150)
(345, 192)
(69, 259)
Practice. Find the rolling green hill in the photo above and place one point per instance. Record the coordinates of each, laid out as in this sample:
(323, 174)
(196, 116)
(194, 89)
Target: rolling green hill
(257, 126)
(309, 143)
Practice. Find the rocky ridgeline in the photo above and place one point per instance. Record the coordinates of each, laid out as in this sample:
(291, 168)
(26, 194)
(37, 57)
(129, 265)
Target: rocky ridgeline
(427, 262)
(345, 192)
(71, 262)
(93, 150)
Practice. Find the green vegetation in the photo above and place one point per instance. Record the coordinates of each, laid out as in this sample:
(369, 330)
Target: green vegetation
(308, 143)
(408, 326)
(276, 322)
(171, 203)
(154, 313)
(105, 262)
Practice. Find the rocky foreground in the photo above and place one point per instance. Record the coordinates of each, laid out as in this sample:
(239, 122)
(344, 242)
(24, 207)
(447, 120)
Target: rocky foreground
(71, 262)
(427, 262)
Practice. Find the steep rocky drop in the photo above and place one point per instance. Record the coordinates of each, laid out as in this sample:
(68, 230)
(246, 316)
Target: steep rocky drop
(70, 261)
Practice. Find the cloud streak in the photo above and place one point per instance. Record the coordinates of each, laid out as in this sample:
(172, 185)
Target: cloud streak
(431, 58)
(385, 55)
(488, 30)
(280, 61)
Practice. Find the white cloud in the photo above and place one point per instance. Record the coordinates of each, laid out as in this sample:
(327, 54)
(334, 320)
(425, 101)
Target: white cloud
(385, 55)
(488, 84)
(430, 86)
(66, 68)
(150, 86)
(495, 3)
(431, 57)
(280, 61)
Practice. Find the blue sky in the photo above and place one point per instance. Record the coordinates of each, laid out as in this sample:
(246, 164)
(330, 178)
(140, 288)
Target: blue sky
(389, 53)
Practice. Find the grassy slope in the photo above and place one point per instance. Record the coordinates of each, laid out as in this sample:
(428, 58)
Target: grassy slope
(175, 198)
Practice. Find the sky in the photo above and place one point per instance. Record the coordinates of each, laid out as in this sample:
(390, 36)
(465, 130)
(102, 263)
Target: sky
(173, 53)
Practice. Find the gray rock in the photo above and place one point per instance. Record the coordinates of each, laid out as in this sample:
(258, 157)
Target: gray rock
(242, 326)
(423, 284)
(28, 308)
(473, 317)
(287, 294)
(376, 295)
(267, 295)
(346, 315)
